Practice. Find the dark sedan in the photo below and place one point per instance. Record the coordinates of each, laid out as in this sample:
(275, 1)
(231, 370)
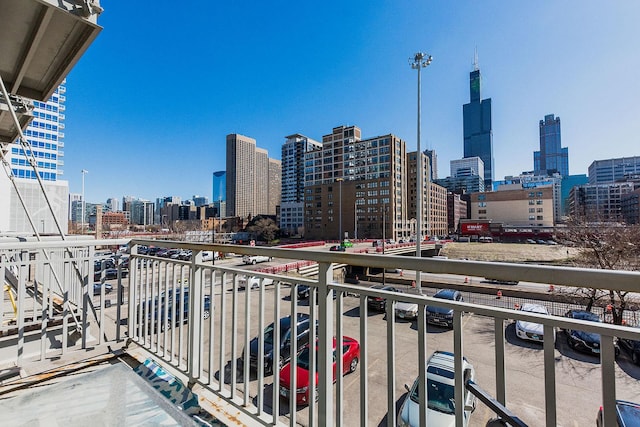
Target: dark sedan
(443, 316)
(302, 334)
(107, 288)
(587, 342)
(627, 413)
(380, 303)
(632, 347)
(337, 248)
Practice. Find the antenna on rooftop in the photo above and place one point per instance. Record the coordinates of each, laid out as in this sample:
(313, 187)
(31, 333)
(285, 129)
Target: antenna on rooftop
(475, 59)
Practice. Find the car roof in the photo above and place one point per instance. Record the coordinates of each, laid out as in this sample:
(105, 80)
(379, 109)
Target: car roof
(441, 364)
(534, 308)
(583, 315)
(446, 294)
(629, 412)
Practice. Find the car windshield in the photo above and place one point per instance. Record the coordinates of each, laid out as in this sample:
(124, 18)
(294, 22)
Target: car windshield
(268, 335)
(439, 398)
(534, 308)
(303, 359)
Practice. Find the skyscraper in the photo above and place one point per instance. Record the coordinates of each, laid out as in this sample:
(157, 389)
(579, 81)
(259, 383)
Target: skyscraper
(552, 157)
(292, 188)
(247, 178)
(45, 136)
(241, 162)
(478, 133)
(220, 186)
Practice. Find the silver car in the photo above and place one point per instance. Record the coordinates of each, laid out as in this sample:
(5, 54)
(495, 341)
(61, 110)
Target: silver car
(440, 394)
(529, 330)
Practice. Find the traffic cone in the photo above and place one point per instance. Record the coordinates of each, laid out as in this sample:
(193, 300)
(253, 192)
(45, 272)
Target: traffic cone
(499, 295)
(551, 288)
(466, 280)
(400, 272)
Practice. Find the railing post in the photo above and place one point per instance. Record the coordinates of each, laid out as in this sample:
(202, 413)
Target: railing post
(549, 348)
(195, 317)
(458, 351)
(501, 378)
(132, 292)
(608, 362)
(325, 347)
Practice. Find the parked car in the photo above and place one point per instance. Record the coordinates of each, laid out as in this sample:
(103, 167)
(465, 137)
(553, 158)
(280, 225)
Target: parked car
(253, 282)
(254, 259)
(286, 328)
(107, 288)
(337, 248)
(406, 310)
(157, 307)
(529, 330)
(630, 346)
(587, 342)
(443, 316)
(380, 303)
(628, 414)
(352, 278)
(346, 243)
(350, 357)
(112, 273)
(304, 292)
(440, 394)
(531, 241)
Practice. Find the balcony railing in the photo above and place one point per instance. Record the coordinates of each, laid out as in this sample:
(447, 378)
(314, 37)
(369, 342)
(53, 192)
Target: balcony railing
(196, 317)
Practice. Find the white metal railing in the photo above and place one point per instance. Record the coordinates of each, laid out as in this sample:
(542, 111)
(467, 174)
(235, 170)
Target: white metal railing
(51, 285)
(213, 344)
(205, 333)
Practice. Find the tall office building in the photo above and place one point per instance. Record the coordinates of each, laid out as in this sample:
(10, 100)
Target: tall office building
(356, 188)
(478, 132)
(275, 186)
(612, 170)
(261, 185)
(220, 186)
(433, 160)
(241, 177)
(552, 157)
(292, 187)
(468, 166)
(45, 135)
(247, 178)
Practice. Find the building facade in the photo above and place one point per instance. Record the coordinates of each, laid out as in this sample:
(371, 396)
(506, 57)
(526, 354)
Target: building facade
(478, 131)
(531, 181)
(355, 188)
(552, 158)
(599, 202)
(630, 207)
(293, 179)
(521, 207)
(612, 170)
(219, 186)
(45, 135)
(274, 196)
(456, 211)
(241, 175)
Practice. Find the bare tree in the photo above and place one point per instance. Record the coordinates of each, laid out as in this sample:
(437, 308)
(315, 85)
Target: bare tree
(609, 246)
(265, 228)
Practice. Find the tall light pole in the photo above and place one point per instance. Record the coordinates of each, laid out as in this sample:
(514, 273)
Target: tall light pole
(340, 214)
(419, 61)
(84, 172)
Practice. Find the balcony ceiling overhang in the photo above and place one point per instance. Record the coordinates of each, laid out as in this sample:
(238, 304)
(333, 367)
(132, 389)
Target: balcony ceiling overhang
(40, 41)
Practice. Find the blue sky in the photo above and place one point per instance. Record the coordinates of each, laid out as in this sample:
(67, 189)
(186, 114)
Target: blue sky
(150, 103)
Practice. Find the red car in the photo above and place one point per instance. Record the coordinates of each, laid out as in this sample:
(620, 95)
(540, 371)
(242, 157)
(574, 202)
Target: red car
(350, 356)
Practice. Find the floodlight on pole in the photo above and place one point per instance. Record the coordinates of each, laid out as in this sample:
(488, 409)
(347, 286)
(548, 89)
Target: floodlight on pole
(419, 61)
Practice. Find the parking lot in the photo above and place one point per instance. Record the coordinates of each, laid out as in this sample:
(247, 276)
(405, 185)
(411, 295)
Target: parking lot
(577, 375)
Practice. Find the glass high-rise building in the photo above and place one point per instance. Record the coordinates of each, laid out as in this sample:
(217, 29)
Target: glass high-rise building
(552, 157)
(478, 132)
(220, 186)
(45, 134)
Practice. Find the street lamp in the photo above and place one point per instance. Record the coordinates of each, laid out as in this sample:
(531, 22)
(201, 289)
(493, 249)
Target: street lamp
(84, 172)
(419, 61)
(340, 214)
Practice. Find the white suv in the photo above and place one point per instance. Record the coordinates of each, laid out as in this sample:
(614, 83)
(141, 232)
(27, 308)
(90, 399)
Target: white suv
(440, 394)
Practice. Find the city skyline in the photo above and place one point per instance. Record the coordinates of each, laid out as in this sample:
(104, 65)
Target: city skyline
(268, 82)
